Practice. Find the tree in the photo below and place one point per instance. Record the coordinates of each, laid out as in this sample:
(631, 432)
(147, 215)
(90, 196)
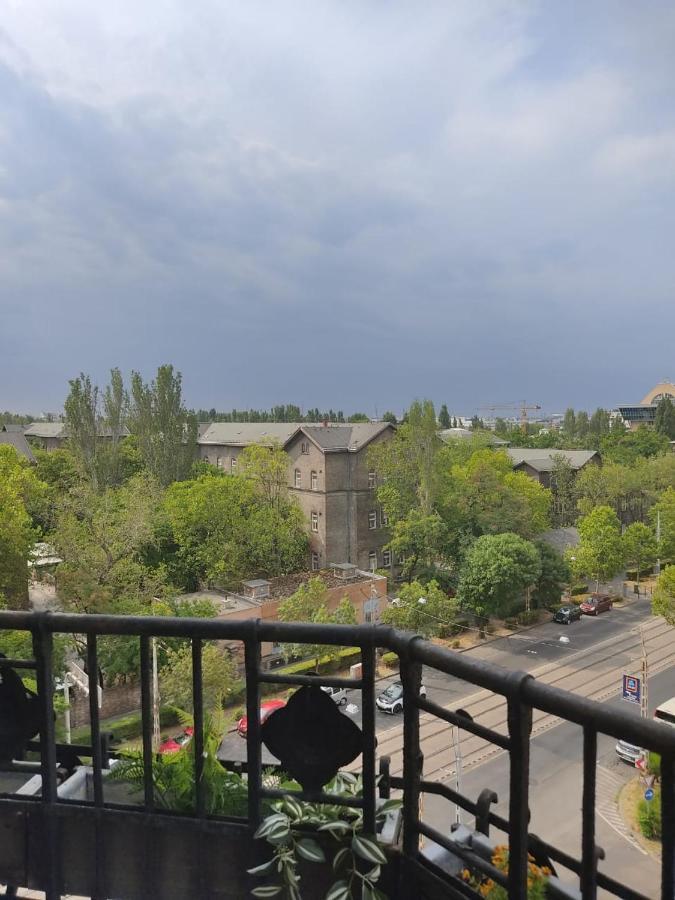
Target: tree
(165, 431)
(308, 604)
(444, 417)
(115, 408)
(663, 599)
(454, 422)
(421, 608)
(500, 426)
(358, 417)
(82, 423)
(664, 421)
(267, 467)
(496, 572)
(626, 447)
(555, 574)
(418, 540)
(599, 554)
(639, 547)
(569, 425)
(175, 678)
(390, 417)
(582, 425)
(663, 512)
(563, 490)
(599, 423)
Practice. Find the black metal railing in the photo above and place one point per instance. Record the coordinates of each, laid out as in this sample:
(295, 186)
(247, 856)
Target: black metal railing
(523, 694)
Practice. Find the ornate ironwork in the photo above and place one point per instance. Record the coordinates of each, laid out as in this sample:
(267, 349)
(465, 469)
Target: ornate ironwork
(19, 714)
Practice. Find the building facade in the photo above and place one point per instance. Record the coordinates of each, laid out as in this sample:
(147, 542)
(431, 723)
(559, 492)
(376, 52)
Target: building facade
(329, 475)
(644, 412)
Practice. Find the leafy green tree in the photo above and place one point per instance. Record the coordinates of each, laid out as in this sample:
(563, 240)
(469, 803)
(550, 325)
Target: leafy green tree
(663, 599)
(600, 553)
(309, 604)
(563, 490)
(496, 573)
(555, 574)
(500, 426)
(569, 425)
(444, 417)
(82, 423)
(358, 417)
(639, 547)
(664, 513)
(115, 411)
(165, 431)
(599, 424)
(175, 677)
(582, 425)
(626, 447)
(267, 468)
(664, 421)
(454, 422)
(421, 608)
(419, 541)
(390, 417)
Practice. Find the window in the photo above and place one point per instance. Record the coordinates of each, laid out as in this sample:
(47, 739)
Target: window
(233, 463)
(298, 478)
(386, 558)
(372, 479)
(384, 518)
(314, 481)
(220, 462)
(315, 521)
(315, 562)
(372, 520)
(372, 560)
(304, 447)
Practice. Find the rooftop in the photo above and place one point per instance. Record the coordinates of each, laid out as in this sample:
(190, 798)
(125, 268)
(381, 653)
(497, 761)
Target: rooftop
(544, 460)
(330, 437)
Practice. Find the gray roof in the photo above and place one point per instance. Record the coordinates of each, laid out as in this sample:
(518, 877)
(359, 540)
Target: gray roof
(45, 429)
(10, 426)
(19, 442)
(330, 437)
(468, 433)
(544, 460)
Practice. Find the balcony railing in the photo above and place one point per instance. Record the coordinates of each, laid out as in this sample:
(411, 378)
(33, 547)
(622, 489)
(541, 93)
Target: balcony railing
(37, 851)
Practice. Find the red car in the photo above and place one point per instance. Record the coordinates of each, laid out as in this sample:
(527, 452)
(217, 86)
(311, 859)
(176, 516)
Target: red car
(178, 741)
(595, 604)
(267, 707)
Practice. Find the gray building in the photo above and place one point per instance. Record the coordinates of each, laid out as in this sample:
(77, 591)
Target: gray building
(329, 475)
(54, 435)
(539, 464)
(14, 436)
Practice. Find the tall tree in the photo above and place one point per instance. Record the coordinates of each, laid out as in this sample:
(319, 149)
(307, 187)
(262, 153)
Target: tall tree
(390, 417)
(175, 678)
(19, 488)
(599, 423)
(664, 421)
(599, 554)
(639, 547)
(115, 409)
(555, 574)
(421, 608)
(267, 468)
(166, 432)
(444, 417)
(496, 573)
(662, 516)
(569, 425)
(583, 425)
(563, 490)
(82, 422)
(308, 604)
(663, 600)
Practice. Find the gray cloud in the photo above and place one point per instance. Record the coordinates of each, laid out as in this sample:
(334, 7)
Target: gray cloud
(338, 204)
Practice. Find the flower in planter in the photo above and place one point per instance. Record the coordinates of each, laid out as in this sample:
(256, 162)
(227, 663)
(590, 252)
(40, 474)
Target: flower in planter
(537, 878)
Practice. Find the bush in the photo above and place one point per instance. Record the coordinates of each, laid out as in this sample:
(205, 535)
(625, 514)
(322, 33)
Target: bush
(347, 656)
(579, 589)
(390, 660)
(456, 645)
(510, 623)
(654, 764)
(649, 817)
(527, 617)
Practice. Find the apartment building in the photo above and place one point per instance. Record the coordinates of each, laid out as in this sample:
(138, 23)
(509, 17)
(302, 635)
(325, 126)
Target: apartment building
(329, 474)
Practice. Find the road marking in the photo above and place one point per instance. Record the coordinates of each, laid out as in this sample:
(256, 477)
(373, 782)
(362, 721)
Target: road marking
(608, 784)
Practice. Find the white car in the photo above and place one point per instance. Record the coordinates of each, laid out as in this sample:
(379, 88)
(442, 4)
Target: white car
(391, 699)
(338, 694)
(628, 752)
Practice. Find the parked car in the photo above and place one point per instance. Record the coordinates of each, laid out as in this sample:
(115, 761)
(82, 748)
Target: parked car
(267, 707)
(567, 614)
(596, 604)
(391, 699)
(338, 694)
(178, 741)
(628, 752)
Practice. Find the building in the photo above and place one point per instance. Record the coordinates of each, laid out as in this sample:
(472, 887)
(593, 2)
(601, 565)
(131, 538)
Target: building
(468, 434)
(54, 435)
(539, 464)
(13, 436)
(644, 412)
(329, 475)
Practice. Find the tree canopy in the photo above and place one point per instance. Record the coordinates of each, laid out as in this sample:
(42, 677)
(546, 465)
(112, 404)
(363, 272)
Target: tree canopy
(600, 553)
(497, 570)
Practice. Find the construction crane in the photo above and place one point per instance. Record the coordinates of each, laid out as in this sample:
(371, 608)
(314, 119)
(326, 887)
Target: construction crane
(523, 408)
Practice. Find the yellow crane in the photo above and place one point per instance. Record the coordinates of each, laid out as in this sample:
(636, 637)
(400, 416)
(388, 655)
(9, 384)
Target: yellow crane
(523, 408)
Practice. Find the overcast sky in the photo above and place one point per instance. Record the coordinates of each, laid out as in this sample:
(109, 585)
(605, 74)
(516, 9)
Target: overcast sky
(342, 203)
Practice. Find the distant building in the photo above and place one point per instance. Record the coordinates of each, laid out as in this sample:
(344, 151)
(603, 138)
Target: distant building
(644, 412)
(465, 434)
(54, 435)
(329, 475)
(14, 436)
(539, 464)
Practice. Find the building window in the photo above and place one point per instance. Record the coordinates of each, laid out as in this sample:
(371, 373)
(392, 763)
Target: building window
(315, 481)
(372, 560)
(233, 463)
(372, 520)
(304, 447)
(372, 479)
(316, 565)
(298, 478)
(315, 521)
(384, 518)
(386, 558)
(220, 462)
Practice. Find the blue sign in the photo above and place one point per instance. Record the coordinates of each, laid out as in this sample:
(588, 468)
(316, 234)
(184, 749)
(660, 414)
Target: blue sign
(649, 794)
(631, 689)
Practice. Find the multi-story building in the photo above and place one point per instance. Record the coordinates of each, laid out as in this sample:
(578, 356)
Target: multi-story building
(644, 412)
(54, 435)
(329, 474)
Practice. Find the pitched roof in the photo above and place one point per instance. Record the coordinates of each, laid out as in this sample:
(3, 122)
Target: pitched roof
(544, 460)
(331, 437)
(10, 426)
(45, 429)
(19, 442)
(352, 437)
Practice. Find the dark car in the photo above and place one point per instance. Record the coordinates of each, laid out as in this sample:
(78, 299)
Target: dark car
(596, 604)
(567, 614)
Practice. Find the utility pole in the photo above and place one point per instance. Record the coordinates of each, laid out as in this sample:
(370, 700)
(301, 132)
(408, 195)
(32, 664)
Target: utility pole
(458, 772)
(644, 697)
(156, 736)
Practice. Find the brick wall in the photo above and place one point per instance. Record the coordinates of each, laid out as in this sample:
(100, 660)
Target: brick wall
(117, 700)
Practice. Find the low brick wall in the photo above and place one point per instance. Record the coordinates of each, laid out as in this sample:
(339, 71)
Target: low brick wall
(117, 700)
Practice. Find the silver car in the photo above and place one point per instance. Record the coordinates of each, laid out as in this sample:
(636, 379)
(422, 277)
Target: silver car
(628, 752)
(338, 694)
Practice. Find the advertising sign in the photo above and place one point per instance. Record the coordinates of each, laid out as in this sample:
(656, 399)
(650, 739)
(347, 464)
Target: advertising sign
(631, 689)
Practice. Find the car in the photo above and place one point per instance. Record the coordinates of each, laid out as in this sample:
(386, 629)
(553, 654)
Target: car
(178, 741)
(391, 699)
(567, 614)
(338, 694)
(267, 707)
(628, 752)
(596, 604)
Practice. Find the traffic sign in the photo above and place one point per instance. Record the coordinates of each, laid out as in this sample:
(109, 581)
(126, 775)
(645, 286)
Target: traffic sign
(631, 689)
(649, 794)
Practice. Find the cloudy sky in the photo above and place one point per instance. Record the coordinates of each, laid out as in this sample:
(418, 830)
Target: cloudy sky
(342, 203)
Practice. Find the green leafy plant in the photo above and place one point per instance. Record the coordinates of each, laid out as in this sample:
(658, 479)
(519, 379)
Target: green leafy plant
(358, 858)
(649, 817)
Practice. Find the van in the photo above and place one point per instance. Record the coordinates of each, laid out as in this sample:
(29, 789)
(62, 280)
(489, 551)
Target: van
(666, 712)
(595, 604)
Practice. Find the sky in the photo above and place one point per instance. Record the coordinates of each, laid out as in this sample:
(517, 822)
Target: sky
(339, 203)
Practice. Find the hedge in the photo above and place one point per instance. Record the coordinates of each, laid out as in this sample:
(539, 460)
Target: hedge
(390, 660)
(124, 728)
